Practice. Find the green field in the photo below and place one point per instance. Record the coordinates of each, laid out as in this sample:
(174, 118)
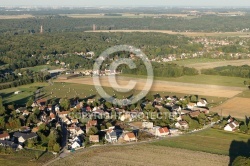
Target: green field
(41, 67)
(26, 92)
(210, 141)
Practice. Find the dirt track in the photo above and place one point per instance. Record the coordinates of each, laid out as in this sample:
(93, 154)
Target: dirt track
(166, 86)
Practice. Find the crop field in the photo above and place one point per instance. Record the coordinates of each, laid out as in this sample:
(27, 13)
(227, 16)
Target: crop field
(209, 64)
(190, 34)
(83, 91)
(237, 107)
(16, 16)
(165, 86)
(210, 141)
(202, 79)
(143, 154)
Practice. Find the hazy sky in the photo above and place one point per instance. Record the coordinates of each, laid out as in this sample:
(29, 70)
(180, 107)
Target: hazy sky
(241, 3)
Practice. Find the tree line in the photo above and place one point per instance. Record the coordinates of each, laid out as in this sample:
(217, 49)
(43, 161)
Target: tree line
(233, 71)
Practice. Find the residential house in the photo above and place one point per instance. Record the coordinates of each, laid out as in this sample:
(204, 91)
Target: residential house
(21, 110)
(25, 129)
(182, 125)
(52, 116)
(4, 136)
(111, 136)
(22, 137)
(75, 145)
(201, 103)
(35, 130)
(94, 138)
(90, 101)
(63, 114)
(79, 131)
(129, 137)
(11, 144)
(194, 113)
(26, 113)
(191, 105)
(231, 126)
(147, 125)
(160, 131)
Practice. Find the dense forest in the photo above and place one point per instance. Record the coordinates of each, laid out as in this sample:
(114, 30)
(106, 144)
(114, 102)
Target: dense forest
(28, 50)
(234, 71)
(59, 23)
(161, 70)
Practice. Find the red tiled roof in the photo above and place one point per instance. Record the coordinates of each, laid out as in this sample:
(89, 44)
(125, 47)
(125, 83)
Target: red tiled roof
(4, 135)
(131, 135)
(163, 130)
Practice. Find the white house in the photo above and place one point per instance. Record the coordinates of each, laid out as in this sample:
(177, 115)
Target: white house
(231, 126)
(181, 125)
(202, 103)
(75, 145)
(148, 125)
(191, 105)
(160, 131)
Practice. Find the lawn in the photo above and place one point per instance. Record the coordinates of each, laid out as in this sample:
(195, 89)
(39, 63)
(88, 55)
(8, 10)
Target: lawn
(201, 79)
(210, 141)
(41, 67)
(26, 92)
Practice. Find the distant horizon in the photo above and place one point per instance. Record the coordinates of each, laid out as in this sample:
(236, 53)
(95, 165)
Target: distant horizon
(128, 3)
(112, 6)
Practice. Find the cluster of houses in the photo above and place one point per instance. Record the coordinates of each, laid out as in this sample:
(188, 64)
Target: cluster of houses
(17, 139)
(77, 131)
